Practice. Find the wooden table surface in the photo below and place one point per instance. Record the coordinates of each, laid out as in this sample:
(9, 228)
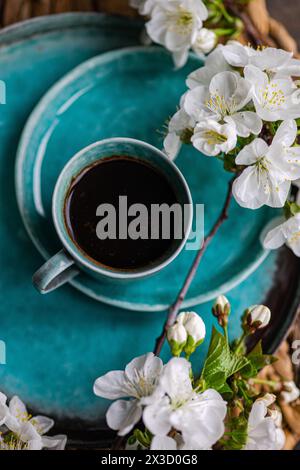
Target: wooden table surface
(286, 11)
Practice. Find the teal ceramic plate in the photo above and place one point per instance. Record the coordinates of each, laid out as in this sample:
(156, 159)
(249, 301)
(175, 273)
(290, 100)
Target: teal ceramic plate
(131, 93)
(58, 344)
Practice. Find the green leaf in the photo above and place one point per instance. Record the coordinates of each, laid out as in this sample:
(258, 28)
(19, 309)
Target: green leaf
(237, 435)
(226, 391)
(144, 438)
(220, 363)
(257, 361)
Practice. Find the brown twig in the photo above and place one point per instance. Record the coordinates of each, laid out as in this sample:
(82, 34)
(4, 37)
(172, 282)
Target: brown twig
(254, 35)
(174, 309)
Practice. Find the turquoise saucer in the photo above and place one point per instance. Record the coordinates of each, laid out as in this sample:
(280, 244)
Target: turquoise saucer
(131, 93)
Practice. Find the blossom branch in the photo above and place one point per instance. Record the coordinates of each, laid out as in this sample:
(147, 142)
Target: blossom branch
(174, 309)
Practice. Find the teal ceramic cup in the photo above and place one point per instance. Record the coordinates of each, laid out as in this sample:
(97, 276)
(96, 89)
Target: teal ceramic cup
(68, 262)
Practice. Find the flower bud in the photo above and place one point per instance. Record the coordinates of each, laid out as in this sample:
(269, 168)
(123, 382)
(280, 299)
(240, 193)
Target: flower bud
(177, 338)
(221, 310)
(205, 41)
(195, 329)
(256, 317)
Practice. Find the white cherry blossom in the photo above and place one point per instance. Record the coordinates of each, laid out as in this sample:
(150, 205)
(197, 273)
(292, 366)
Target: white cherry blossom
(212, 138)
(270, 169)
(204, 42)
(263, 434)
(224, 100)
(138, 382)
(274, 98)
(214, 64)
(266, 58)
(288, 232)
(176, 24)
(27, 432)
(276, 62)
(198, 417)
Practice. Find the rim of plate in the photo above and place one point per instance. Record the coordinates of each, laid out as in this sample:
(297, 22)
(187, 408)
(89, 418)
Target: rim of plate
(29, 128)
(45, 24)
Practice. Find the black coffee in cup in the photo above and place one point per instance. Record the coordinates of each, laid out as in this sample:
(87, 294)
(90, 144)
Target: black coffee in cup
(104, 218)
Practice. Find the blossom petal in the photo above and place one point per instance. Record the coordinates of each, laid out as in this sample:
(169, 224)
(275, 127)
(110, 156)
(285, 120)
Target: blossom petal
(122, 415)
(277, 188)
(214, 64)
(231, 88)
(252, 153)
(12, 423)
(257, 414)
(34, 444)
(263, 436)
(27, 432)
(286, 160)
(17, 408)
(172, 145)
(175, 380)
(112, 385)
(156, 28)
(212, 138)
(201, 420)
(148, 365)
(246, 122)
(55, 442)
(42, 424)
(256, 77)
(163, 443)
(177, 42)
(292, 233)
(195, 103)
(280, 439)
(157, 417)
(247, 191)
(180, 57)
(179, 121)
(275, 238)
(270, 58)
(286, 133)
(236, 54)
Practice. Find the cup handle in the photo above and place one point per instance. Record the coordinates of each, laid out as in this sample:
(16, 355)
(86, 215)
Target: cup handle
(55, 272)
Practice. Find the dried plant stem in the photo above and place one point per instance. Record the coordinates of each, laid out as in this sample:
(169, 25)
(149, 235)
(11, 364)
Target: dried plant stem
(255, 36)
(174, 309)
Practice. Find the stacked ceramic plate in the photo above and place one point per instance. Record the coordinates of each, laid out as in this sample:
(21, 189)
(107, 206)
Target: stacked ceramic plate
(72, 80)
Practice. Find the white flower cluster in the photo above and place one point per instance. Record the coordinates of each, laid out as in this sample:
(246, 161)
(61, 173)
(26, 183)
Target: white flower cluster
(187, 333)
(178, 26)
(21, 431)
(264, 426)
(233, 105)
(176, 414)
(164, 397)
